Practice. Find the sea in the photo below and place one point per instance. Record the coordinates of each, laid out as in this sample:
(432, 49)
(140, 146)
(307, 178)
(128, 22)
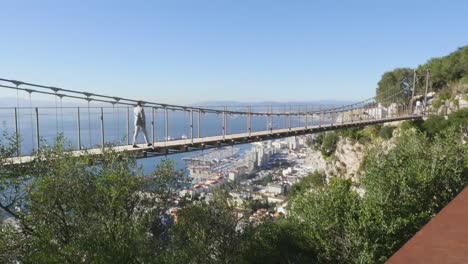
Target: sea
(82, 126)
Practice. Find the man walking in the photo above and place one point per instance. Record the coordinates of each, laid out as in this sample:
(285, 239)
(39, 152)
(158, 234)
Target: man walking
(140, 123)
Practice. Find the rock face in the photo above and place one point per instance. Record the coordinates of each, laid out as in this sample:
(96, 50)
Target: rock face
(345, 162)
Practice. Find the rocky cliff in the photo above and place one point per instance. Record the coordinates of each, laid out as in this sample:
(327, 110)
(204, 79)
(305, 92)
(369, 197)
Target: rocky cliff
(345, 161)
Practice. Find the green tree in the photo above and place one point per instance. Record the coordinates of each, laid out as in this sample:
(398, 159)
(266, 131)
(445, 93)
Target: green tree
(312, 181)
(395, 86)
(326, 143)
(386, 132)
(329, 218)
(79, 209)
(435, 124)
(459, 119)
(406, 186)
(280, 241)
(208, 233)
(447, 69)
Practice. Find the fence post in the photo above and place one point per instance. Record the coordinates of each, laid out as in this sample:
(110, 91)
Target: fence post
(79, 127)
(224, 124)
(199, 123)
(152, 125)
(102, 128)
(37, 129)
(191, 126)
(18, 150)
(128, 126)
(166, 124)
(249, 121)
(427, 87)
(320, 115)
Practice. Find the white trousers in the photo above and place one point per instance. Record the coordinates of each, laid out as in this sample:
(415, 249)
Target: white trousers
(145, 135)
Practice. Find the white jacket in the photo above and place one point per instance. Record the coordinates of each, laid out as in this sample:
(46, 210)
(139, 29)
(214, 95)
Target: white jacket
(139, 116)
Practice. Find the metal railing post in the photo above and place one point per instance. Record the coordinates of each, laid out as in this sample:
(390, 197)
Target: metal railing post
(128, 126)
(152, 125)
(414, 88)
(199, 123)
(37, 129)
(102, 128)
(427, 87)
(166, 124)
(249, 121)
(320, 116)
(18, 150)
(224, 123)
(191, 126)
(79, 127)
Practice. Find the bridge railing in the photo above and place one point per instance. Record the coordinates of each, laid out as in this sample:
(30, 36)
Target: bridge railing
(96, 127)
(97, 120)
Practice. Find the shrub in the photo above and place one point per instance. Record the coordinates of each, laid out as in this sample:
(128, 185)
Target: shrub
(326, 143)
(329, 143)
(407, 125)
(312, 180)
(437, 103)
(435, 124)
(445, 94)
(459, 118)
(464, 80)
(386, 132)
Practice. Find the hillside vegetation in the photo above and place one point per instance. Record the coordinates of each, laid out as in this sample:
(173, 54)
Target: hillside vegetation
(67, 209)
(448, 74)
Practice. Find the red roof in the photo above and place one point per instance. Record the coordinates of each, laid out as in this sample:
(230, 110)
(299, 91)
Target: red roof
(443, 240)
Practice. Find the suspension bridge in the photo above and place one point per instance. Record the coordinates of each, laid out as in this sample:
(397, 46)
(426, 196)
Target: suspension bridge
(175, 128)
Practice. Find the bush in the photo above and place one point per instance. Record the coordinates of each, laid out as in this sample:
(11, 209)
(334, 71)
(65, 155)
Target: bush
(435, 124)
(355, 133)
(313, 180)
(407, 125)
(361, 135)
(445, 94)
(386, 132)
(326, 143)
(329, 143)
(437, 103)
(464, 80)
(459, 118)
(407, 185)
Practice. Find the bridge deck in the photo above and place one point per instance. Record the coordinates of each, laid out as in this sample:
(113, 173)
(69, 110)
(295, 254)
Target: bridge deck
(185, 145)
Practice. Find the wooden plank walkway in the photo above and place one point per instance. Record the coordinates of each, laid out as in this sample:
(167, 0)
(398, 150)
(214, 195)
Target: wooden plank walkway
(186, 145)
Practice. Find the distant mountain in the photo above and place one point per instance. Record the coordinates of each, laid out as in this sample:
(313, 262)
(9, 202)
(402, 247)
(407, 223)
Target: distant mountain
(271, 103)
(24, 102)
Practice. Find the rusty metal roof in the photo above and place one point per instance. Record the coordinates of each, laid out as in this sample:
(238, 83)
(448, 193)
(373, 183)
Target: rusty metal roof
(443, 240)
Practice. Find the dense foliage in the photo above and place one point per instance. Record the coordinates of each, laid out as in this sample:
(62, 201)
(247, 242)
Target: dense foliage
(447, 69)
(102, 210)
(395, 86)
(326, 143)
(313, 180)
(444, 71)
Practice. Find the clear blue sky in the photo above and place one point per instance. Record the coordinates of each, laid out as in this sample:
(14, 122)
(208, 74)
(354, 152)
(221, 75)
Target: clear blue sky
(195, 50)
